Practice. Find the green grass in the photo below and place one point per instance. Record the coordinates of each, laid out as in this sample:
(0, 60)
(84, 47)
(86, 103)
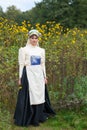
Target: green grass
(64, 120)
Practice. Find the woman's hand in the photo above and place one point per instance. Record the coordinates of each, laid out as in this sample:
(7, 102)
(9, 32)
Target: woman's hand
(19, 82)
(46, 81)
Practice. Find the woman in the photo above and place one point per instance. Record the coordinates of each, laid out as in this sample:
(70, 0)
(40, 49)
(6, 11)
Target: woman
(33, 105)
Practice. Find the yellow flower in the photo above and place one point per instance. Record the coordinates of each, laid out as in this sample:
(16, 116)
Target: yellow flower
(54, 42)
(73, 41)
(81, 35)
(74, 33)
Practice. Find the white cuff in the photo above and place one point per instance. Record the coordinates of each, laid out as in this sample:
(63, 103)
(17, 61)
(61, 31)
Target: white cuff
(20, 70)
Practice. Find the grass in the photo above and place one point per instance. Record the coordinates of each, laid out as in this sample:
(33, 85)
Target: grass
(64, 120)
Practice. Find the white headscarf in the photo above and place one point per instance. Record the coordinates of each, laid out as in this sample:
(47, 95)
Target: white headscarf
(33, 32)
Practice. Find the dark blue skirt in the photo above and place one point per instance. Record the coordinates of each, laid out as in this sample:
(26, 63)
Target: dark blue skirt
(26, 114)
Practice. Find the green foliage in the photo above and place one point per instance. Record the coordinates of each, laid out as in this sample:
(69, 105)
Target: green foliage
(12, 13)
(66, 66)
(66, 12)
(5, 119)
(66, 62)
(80, 87)
(8, 74)
(69, 13)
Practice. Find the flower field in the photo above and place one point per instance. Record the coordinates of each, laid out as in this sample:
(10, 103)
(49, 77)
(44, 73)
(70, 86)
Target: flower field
(66, 61)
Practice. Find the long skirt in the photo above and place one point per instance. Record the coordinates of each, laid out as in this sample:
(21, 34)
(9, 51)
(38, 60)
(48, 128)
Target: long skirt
(26, 114)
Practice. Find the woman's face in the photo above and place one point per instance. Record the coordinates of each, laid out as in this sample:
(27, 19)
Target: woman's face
(33, 40)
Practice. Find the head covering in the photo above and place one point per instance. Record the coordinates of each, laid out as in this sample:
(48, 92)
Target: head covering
(34, 32)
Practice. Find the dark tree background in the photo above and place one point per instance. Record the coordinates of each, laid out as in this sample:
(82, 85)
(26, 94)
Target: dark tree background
(69, 13)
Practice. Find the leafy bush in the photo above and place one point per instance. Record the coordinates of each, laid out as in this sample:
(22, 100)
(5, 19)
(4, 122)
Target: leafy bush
(5, 119)
(66, 61)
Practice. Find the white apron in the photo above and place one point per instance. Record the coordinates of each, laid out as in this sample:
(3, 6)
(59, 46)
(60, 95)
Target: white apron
(34, 59)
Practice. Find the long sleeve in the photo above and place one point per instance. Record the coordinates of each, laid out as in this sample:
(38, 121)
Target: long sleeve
(43, 63)
(21, 60)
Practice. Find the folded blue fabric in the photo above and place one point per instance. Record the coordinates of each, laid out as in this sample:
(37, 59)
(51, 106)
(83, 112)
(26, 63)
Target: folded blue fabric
(35, 60)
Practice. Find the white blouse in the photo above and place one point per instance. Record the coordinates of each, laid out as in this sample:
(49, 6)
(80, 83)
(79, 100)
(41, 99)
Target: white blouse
(25, 54)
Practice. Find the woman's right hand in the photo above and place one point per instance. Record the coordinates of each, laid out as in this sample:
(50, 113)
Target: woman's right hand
(19, 82)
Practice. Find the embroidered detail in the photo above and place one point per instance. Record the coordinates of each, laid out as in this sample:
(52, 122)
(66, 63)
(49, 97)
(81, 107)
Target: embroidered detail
(35, 60)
